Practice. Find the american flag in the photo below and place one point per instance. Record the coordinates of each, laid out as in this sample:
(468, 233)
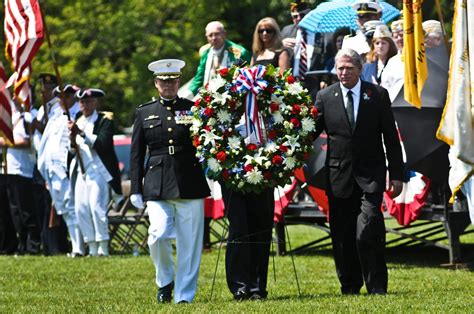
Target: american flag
(24, 35)
(5, 108)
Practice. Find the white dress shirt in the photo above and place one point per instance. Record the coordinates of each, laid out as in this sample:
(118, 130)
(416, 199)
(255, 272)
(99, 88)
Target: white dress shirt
(355, 96)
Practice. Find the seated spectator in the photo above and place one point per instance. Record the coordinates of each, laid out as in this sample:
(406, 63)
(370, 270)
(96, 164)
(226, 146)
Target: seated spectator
(267, 46)
(382, 49)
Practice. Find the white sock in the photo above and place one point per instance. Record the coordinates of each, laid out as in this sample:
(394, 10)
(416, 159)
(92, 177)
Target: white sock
(93, 247)
(104, 248)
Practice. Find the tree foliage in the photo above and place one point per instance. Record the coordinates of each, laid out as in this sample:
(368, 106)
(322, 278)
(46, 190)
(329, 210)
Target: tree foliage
(109, 43)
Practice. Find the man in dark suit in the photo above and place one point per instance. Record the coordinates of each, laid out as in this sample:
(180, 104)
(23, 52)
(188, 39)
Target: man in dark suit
(93, 133)
(358, 120)
(174, 186)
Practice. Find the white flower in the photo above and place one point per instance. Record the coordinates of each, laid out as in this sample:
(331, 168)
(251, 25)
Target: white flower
(210, 137)
(294, 89)
(288, 125)
(213, 164)
(308, 124)
(211, 121)
(221, 98)
(290, 163)
(277, 117)
(292, 141)
(223, 116)
(234, 142)
(277, 99)
(365, 96)
(271, 147)
(254, 177)
(216, 83)
(257, 158)
(241, 183)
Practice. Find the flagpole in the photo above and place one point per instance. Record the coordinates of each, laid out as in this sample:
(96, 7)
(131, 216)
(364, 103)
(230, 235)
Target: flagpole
(60, 83)
(441, 20)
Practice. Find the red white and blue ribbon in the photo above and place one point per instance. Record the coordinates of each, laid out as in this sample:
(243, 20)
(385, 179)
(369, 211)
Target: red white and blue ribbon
(250, 81)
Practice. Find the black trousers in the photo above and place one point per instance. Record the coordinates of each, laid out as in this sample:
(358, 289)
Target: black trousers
(8, 239)
(23, 213)
(358, 240)
(250, 218)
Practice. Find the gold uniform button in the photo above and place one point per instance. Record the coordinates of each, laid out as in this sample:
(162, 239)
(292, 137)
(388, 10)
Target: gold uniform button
(169, 118)
(171, 141)
(169, 108)
(170, 130)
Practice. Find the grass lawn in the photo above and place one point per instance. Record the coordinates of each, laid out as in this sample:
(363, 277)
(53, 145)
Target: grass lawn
(417, 283)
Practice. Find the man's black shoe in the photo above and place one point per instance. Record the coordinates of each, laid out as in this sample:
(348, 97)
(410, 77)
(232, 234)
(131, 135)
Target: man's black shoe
(241, 295)
(183, 302)
(164, 293)
(256, 297)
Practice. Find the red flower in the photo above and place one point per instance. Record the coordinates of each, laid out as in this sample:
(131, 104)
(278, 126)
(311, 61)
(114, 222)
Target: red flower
(248, 168)
(277, 160)
(224, 71)
(306, 155)
(290, 79)
(283, 148)
(207, 98)
(296, 109)
(221, 156)
(209, 112)
(369, 92)
(270, 89)
(295, 122)
(207, 128)
(225, 174)
(252, 147)
(232, 104)
(197, 103)
(272, 134)
(267, 175)
(314, 111)
(274, 107)
(227, 133)
(196, 141)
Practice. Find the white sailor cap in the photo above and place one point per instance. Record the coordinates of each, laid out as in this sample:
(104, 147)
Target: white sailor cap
(367, 7)
(432, 26)
(167, 69)
(89, 93)
(382, 31)
(371, 26)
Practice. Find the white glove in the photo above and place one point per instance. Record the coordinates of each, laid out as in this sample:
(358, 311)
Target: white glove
(137, 201)
(28, 117)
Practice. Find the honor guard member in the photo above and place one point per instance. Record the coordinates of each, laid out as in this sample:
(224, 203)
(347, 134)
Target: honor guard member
(53, 157)
(366, 10)
(93, 133)
(174, 185)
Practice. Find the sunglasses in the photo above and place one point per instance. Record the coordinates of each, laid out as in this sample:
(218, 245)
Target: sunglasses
(266, 30)
(367, 16)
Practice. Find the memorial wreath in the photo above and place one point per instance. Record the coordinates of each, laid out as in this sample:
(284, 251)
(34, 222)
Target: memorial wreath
(252, 127)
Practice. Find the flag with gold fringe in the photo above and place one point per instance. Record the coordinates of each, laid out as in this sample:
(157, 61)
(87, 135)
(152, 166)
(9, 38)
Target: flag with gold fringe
(456, 126)
(414, 53)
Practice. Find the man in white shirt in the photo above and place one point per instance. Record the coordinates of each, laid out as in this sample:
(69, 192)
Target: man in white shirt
(20, 165)
(53, 154)
(93, 134)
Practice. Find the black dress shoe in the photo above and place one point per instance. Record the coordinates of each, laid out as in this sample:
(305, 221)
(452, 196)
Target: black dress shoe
(350, 291)
(241, 295)
(164, 293)
(183, 302)
(256, 297)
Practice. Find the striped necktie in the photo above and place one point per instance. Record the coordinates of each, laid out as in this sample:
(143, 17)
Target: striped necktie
(303, 66)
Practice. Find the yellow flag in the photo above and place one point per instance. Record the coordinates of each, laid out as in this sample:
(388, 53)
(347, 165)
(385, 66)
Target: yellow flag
(414, 54)
(457, 123)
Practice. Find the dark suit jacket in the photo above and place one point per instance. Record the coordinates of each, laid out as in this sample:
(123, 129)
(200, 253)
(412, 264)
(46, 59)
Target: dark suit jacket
(357, 156)
(104, 146)
(166, 176)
